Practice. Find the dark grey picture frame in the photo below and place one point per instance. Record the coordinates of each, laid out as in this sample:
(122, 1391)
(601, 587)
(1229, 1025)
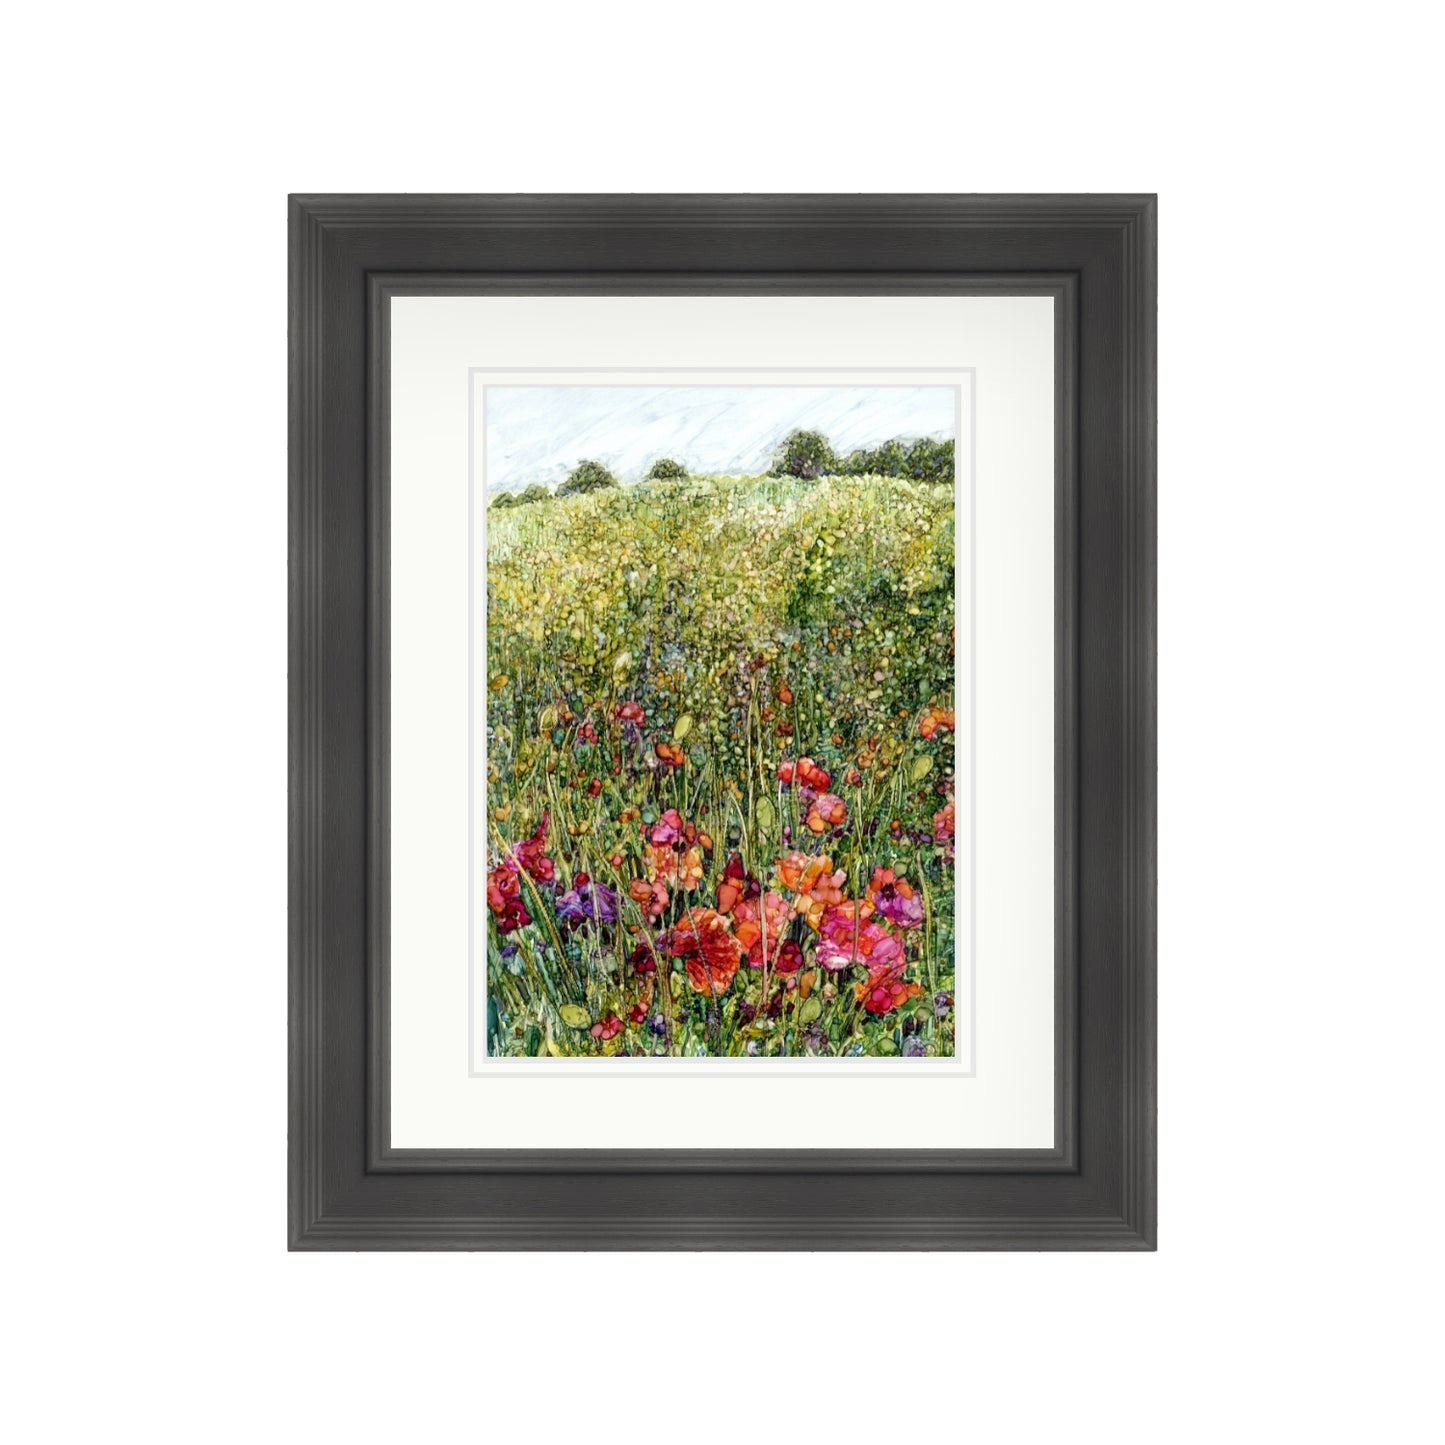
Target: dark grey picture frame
(1095, 1189)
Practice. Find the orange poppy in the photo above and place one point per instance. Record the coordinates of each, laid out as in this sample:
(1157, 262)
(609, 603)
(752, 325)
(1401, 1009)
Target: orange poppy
(818, 887)
(650, 896)
(934, 719)
(761, 922)
(660, 862)
(689, 869)
(671, 754)
(826, 811)
(798, 872)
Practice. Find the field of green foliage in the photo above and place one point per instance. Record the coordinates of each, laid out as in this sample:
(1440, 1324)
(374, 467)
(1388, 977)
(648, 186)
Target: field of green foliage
(720, 769)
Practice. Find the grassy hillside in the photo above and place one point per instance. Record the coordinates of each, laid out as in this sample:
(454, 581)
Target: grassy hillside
(677, 646)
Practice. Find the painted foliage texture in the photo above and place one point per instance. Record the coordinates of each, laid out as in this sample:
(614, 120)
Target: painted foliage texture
(720, 765)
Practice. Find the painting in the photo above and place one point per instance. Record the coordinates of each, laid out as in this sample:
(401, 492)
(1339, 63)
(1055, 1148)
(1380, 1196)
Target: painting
(719, 700)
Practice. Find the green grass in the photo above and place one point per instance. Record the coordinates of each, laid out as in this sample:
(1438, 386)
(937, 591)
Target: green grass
(708, 601)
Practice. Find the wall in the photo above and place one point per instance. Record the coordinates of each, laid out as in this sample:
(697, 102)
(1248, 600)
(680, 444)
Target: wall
(151, 149)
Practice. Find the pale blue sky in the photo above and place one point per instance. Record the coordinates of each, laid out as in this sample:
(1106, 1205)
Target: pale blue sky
(539, 433)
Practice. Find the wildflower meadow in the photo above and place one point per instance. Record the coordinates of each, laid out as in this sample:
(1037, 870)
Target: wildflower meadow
(720, 767)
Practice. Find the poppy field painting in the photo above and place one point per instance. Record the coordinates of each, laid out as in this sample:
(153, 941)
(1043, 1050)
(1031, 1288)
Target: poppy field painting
(718, 685)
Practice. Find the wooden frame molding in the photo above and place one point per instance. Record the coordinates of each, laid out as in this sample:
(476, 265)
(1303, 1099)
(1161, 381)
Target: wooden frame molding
(1096, 255)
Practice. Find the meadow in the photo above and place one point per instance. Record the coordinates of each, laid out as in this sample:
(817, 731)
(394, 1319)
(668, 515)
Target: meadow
(720, 769)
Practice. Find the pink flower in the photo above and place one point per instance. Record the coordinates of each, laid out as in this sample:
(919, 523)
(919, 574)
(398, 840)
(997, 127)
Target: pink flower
(845, 940)
(667, 829)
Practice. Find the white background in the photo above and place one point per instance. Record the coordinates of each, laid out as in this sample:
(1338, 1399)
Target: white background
(148, 150)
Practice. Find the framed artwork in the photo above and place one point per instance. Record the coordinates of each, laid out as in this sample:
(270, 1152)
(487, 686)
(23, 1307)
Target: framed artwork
(722, 722)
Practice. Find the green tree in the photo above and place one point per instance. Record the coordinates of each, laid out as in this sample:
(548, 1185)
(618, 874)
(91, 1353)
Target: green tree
(804, 454)
(664, 469)
(930, 461)
(586, 477)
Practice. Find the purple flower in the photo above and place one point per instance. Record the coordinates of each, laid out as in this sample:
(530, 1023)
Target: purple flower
(914, 1047)
(942, 1002)
(591, 903)
(906, 910)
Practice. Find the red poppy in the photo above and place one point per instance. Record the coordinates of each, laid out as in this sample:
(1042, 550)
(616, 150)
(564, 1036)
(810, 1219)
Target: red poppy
(629, 712)
(943, 823)
(637, 1014)
(607, 1027)
(737, 883)
(504, 898)
(790, 957)
(594, 787)
(502, 887)
(709, 952)
(643, 959)
(885, 989)
(807, 773)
